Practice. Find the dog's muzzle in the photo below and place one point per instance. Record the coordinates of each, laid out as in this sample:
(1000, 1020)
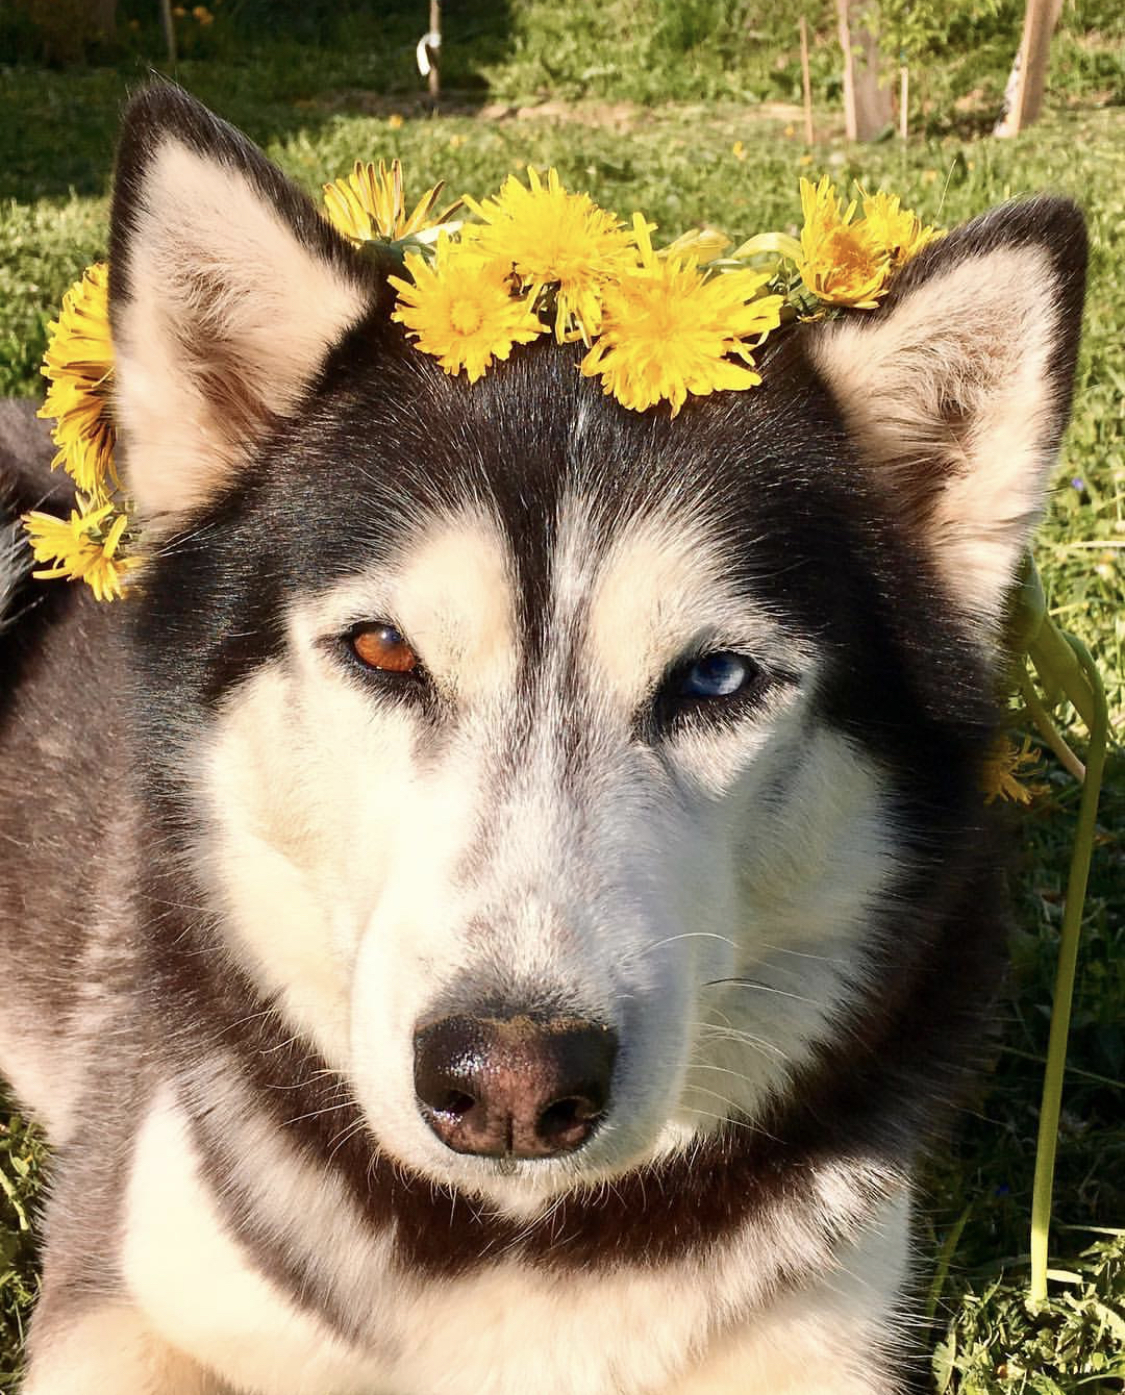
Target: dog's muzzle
(513, 1087)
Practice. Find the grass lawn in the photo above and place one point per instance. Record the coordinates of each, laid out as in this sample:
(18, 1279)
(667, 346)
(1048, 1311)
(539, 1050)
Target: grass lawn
(733, 161)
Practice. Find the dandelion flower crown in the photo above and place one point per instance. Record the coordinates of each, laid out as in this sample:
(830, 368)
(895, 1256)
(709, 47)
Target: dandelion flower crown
(658, 325)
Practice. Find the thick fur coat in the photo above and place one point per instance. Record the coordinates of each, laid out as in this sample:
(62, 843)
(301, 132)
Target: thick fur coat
(240, 869)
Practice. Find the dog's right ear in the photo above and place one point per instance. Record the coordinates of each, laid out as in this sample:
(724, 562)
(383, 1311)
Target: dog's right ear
(957, 390)
(227, 291)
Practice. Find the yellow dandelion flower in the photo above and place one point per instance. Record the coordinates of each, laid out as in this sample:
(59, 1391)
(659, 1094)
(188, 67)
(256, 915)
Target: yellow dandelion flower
(841, 262)
(370, 205)
(82, 548)
(670, 330)
(895, 229)
(79, 368)
(1003, 776)
(462, 311)
(548, 236)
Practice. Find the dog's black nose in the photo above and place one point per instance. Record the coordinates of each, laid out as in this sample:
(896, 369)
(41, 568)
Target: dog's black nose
(513, 1087)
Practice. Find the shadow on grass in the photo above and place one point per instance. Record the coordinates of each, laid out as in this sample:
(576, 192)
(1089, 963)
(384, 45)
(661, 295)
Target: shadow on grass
(58, 127)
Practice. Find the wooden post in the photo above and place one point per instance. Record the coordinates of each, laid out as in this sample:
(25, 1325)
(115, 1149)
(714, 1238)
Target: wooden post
(1039, 20)
(169, 30)
(433, 77)
(867, 106)
(903, 101)
(806, 81)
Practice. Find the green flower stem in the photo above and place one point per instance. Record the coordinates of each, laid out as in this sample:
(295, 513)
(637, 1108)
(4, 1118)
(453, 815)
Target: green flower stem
(945, 1261)
(1050, 733)
(1059, 669)
(776, 244)
(1086, 692)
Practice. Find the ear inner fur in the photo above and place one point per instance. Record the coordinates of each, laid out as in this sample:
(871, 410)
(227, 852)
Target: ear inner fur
(958, 389)
(227, 292)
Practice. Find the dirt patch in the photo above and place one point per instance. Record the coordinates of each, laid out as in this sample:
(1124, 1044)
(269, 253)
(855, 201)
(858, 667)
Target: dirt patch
(612, 116)
(621, 116)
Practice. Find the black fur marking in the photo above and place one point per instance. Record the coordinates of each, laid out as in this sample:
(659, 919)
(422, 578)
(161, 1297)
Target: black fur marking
(26, 482)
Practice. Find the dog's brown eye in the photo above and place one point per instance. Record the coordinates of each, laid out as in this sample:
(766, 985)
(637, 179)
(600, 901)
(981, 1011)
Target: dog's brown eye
(384, 648)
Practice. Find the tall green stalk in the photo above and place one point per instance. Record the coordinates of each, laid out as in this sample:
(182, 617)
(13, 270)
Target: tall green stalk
(1089, 699)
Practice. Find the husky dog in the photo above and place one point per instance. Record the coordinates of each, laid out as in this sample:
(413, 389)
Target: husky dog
(503, 904)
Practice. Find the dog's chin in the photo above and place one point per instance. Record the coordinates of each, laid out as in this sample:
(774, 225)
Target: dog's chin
(523, 1188)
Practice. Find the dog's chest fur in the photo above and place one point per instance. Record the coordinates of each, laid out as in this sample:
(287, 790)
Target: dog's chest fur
(509, 1327)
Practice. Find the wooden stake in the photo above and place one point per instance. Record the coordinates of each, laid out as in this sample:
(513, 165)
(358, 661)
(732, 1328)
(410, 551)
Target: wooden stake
(169, 30)
(434, 77)
(903, 100)
(806, 81)
(1039, 21)
(867, 106)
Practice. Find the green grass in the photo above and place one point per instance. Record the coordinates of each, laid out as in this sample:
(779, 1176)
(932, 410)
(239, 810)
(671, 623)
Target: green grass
(21, 1161)
(316, 110)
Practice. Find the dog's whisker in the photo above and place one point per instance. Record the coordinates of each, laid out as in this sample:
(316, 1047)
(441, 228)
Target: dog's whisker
(355, 1127)
(691, 935)
(760, 987)
(317, 1113)
(756, 1044)
(801, 954)
(726, 1120)
(715, 1094)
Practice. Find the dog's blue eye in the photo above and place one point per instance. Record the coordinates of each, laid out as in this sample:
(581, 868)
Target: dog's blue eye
(717, 676)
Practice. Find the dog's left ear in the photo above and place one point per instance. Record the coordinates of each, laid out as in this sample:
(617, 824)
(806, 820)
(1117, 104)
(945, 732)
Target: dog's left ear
(957, 389)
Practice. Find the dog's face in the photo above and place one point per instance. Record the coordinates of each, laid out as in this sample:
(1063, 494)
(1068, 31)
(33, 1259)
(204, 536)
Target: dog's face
(579, 802)
(556, 771)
